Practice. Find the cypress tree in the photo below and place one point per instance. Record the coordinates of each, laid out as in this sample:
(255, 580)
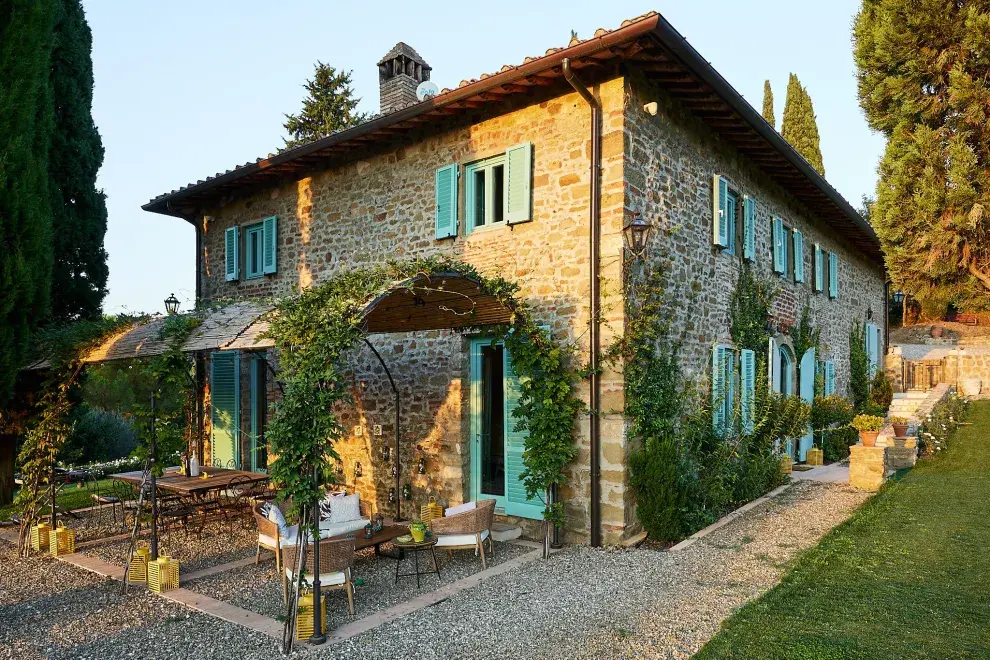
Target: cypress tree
(799, 127)
(329, 107)
(922, 72)
(25, 212)
(79, 210)
(768, 104)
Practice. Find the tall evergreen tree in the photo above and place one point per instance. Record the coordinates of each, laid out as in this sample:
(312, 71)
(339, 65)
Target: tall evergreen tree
(25, 211)
(329, 107)
(799, 127)
(79, 210)
(768, 104)
(922, 70)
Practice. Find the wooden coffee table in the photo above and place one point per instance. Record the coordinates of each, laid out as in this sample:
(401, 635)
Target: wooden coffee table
(384, 535)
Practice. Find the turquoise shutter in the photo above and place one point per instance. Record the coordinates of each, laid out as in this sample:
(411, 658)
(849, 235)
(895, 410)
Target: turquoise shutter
(833, 275)
(718, 387)
(819, 269)
(749, 228)
(747, 368)
(232, 262)
(516, 502)
(829, 377)
(225, 400)
(872, 347)
(720, 212)
(517, 191)
(446, 193)
(269, 246)
(798, 256)
(778, 245)
(806, 389)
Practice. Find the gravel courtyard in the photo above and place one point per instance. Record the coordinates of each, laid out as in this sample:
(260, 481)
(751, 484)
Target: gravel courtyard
(583, 603)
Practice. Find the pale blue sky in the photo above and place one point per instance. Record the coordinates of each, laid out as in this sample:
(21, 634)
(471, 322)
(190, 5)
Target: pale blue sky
(186, 88)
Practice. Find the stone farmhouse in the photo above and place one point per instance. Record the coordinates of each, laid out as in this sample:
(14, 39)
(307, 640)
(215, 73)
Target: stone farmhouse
(530, 172)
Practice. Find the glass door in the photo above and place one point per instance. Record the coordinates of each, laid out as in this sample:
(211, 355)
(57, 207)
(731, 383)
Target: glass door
(488, 421)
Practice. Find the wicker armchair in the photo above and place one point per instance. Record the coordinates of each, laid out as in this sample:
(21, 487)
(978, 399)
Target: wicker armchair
(269, 537)
(336, 562)
(467, 530)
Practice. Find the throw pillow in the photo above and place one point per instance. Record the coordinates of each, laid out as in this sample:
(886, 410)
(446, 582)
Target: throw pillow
(461, 508)
(275, 515)
(344, 508)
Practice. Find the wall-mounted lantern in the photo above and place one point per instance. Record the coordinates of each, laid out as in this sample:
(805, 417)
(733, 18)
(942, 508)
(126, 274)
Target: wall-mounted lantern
(172, 304)
(357, 469)
(637, 233)
(421, 467)
(386, 453)
(898, 297)
(407, 492)
(391, 496)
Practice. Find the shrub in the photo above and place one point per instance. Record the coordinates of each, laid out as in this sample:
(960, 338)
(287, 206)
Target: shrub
(859, 368)
(935, 429)
(867, 423)
(830, 419)
(98, 435)
(881, 391)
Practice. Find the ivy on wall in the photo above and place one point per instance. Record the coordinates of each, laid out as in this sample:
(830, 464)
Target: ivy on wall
(859, 368)
(750, 319)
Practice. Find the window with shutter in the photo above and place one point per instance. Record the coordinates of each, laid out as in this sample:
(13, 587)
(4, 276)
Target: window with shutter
(518, 197)
(225, 407)
(270, 245)
(833, 275)
(253, 244)
(747, 390)
(779, 254)
(720, 213)
(798, 256)
(749, 228)
(516, 502)
(723, 386)
(819, 269)
(232, 246)
(446, 198)
(829, 377)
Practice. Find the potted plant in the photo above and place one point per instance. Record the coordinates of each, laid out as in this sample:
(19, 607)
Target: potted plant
(900, 425)
(936, 331)
(869, 428)
(418, 530)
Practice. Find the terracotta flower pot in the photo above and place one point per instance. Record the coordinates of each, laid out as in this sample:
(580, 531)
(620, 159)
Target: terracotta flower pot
(936, 331)
(869, 438)
(900, 430)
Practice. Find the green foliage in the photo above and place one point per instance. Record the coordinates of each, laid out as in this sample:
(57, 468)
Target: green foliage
(749, 310)
(97, 435)
(936, 429)
(922, 71)
(881, 391)
(804, 334)
(329, 107)
(830, 419)
(859, 368)
(26, 121)
(768, 104)
(867, 423)
(313, 333)
(800, 127)
(79, 210)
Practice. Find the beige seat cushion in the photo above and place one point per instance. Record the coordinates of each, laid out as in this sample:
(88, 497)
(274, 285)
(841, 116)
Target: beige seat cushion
(459, 539)
(327, 579)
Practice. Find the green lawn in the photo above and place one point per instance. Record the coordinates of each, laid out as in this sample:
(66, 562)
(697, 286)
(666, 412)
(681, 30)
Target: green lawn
(71, 497)
(908, 576)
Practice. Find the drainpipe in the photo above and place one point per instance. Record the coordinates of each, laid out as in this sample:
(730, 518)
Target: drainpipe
(595, 253)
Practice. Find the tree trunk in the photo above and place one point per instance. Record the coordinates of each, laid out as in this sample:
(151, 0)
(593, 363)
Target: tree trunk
(7, 455)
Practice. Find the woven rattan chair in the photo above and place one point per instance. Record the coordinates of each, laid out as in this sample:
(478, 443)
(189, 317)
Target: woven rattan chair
(269, 537)
(467, 530)
(336, 561)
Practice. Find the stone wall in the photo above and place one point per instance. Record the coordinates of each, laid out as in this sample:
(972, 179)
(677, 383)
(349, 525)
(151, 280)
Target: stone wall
(381, 206)
(958, 364)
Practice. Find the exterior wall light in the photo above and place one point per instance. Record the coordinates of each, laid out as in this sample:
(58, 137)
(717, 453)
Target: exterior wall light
(357, 469)
(898, 297)
(637, 233)
(422, 465)
(407, 492)
(172, 304)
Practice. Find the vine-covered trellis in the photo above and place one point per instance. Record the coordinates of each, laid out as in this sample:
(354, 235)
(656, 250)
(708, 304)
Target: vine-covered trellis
(314, 330)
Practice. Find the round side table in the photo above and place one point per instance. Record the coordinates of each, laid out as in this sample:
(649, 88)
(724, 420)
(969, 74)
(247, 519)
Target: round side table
(428, 543)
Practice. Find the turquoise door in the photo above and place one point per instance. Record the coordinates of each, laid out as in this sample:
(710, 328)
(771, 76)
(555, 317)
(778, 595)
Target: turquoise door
(496, 447)
(807, 374)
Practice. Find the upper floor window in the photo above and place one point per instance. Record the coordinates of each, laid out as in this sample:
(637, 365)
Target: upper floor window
(259, 253)
(733, 219)
(254, 238)
(484, 195)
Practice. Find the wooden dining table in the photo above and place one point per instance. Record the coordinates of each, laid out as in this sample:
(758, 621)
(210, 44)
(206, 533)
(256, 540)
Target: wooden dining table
(174, 481)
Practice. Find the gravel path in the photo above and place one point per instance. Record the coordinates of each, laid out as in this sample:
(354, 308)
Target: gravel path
(583, 603)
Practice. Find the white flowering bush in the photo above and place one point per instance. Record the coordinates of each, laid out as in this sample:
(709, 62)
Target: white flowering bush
(945, 417)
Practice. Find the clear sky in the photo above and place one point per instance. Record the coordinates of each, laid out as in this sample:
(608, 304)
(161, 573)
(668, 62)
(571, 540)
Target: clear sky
(185, 89)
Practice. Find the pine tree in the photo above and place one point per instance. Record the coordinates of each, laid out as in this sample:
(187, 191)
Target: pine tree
(799, 127)
(768, 104)
(922, 71)
(79, 210)
(329, 107)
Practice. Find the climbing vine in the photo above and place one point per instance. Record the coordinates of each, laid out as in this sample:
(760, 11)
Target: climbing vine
(750, 319)
(804, 334)
(859, 368)
(313, 332)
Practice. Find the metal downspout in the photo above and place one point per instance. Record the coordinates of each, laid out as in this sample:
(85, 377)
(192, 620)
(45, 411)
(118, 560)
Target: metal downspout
(595, 254)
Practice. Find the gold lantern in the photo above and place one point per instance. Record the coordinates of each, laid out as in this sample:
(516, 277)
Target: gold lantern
(306, 619)
(137, 568)
(39, 536)
(431, 510)
(61, 540)
(163, 574)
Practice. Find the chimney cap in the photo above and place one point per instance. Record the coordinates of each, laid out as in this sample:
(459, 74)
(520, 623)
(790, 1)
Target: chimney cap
(403, 49)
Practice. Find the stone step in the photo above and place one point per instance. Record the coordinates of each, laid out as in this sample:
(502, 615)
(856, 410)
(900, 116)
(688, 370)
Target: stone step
(505, 532)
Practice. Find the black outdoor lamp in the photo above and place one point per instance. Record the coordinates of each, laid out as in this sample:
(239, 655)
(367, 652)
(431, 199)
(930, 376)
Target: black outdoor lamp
(407, 492)
(898, 297)
(357, 469)
(391, 496)
(171, 304)
(869, 313)
(422, 465)
(386, 453)
(637, 233)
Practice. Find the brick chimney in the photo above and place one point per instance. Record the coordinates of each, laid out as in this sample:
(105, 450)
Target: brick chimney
(399, 74)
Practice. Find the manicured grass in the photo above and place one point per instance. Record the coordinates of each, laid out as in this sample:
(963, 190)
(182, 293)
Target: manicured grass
(71, 497)
(908, 576)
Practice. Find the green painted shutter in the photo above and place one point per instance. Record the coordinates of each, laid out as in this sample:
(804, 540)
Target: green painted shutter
(749, 228)
(516, 502)
(829, 377)
(269, 246)
(446, 192)
(718, 387)
(779, 264)
(232, 247)
(819, 268)
(798, 256)
(747, 368)
(720, 211)
(225, 402)
(833, 275)
(517, 191)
